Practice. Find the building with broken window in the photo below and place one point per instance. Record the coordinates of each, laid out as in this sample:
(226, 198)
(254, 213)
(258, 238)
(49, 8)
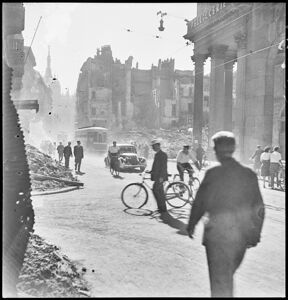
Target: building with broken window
(115, 95)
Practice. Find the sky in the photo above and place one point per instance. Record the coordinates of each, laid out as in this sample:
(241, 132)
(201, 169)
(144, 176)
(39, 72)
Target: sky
(74, 31)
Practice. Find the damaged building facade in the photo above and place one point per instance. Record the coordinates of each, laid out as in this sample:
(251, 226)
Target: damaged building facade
(114, 95)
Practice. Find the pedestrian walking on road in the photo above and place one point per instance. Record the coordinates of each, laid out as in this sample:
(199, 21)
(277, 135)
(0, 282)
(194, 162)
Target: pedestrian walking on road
(256, 156)
(265, 164)
(79, 155)
(230, 194)
(275, 163)
(67, 154)
(60, 150)
(199, 155)
(159, 175)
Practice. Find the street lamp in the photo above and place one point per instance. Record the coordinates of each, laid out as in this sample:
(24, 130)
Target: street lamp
(161, 27)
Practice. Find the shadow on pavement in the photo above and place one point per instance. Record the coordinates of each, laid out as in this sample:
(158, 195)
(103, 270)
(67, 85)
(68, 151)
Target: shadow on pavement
(173, 222)
(138, 211)
(80, 173)
(118, 177)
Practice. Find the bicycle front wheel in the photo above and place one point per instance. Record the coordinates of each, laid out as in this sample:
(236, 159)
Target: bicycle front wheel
(134, 195)
(177, 194)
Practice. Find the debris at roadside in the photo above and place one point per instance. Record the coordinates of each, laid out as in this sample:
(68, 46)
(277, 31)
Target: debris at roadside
(48, 273)
(43, 164)
(172, 140)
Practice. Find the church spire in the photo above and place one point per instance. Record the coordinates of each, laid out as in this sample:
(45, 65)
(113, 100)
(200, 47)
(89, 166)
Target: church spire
(48, 72)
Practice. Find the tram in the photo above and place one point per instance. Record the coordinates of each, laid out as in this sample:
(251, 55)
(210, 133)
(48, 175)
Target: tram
(93, 139)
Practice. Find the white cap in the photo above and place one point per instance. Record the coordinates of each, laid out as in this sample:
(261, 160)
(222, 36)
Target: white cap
(155, 141)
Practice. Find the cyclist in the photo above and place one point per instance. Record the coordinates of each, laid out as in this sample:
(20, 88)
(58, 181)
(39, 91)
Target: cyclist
(113, 153)
(182, 159)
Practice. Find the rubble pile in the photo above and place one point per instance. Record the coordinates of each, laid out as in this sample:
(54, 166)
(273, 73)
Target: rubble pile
(48, 273)
(172, 140)
(43, 164)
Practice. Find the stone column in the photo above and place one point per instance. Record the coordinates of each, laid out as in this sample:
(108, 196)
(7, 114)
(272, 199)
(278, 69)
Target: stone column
(217, 90)
(240, 39)
(229, 62)
(199, 60)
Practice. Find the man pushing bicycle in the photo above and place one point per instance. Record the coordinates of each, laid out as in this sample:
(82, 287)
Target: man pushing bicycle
(182, 159)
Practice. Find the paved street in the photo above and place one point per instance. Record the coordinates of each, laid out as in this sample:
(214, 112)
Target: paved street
(130, 253)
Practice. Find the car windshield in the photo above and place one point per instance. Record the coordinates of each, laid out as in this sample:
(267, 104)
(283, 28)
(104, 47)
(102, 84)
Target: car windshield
(127, 149)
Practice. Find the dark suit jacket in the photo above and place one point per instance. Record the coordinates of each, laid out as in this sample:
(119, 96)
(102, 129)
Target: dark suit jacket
(159, 168)
(78, 152)
(67, 151)
(230, 194)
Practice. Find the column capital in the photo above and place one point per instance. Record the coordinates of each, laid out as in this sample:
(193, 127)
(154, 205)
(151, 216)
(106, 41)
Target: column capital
(230, 60)
(218, 51)
(199, 58)
(240, 39)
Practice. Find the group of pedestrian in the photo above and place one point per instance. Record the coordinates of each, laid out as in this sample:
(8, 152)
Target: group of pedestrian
(267, 164)
(229, 194)
(66, 152)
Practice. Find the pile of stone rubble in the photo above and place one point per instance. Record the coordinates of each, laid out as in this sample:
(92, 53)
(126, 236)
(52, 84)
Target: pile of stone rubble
(48, 273)
(171, 140)
(43, 164)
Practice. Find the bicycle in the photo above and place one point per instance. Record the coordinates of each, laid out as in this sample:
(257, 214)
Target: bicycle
(114, 166)
(193, 185)
(135, 195)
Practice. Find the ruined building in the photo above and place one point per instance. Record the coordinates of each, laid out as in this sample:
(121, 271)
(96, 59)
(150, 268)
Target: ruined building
(115, 95)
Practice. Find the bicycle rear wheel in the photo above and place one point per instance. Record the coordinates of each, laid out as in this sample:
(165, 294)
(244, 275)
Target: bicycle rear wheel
(134, 195)
(177, 194)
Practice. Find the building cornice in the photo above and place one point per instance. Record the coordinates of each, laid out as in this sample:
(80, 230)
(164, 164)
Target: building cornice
(213, 16)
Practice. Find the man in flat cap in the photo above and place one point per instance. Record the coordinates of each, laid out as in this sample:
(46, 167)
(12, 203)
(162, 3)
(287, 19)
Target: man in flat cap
(159, 175)
(230, 195)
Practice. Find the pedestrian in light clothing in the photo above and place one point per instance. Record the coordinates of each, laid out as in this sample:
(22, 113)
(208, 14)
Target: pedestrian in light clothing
(265, 164)
(159, 175)
(79, 155)
(275, 162)
(60, 150)
(230, 195)
(67, 154)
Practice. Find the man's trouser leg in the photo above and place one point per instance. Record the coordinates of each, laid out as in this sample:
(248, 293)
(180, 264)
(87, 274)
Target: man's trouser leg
(79, 164)
(66, 162)
(76, 164)
(223, 261)
(189, 169)
(181, 172)
(159, 195)
(60, 157)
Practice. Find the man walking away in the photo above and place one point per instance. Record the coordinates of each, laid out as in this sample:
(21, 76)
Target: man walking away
(159, 175)
(275, 162)
(79, 155)
(67, 153)
(60, 150)
(199, 155)
(256, 157)
(230, 194)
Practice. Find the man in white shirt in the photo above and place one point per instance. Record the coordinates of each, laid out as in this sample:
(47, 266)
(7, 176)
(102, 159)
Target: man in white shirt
(275, 162)
(182, 159)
